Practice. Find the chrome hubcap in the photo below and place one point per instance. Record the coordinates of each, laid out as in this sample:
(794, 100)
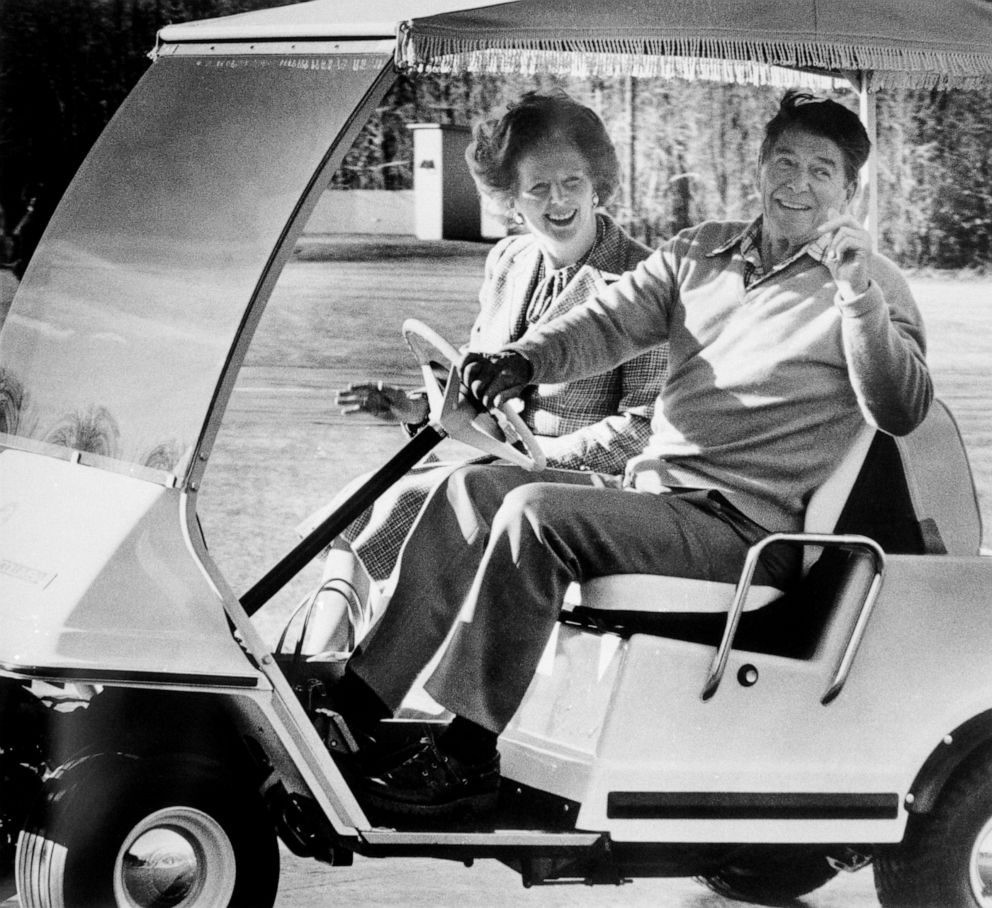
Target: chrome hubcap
(177, 857)
(980, 866)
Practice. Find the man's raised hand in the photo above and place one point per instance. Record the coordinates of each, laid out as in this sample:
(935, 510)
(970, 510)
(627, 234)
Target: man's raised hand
(848, 253)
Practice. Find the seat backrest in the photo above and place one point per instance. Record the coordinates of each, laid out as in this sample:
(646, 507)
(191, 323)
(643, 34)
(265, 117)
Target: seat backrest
(940, 483)
(828, 501)
(916, 494)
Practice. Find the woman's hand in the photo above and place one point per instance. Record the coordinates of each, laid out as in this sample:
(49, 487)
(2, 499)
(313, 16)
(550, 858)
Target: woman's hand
(847, 253)
(495, 378)
(382, 401)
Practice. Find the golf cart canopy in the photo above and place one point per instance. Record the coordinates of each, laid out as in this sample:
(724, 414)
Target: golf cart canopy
(875, 43)
(125, 338)
(880, 44)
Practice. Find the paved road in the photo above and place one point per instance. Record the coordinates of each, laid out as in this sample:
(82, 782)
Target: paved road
(425, 883)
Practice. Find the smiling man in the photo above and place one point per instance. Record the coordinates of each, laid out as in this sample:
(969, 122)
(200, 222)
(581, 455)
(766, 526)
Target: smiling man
(807, 178)
(787, 335)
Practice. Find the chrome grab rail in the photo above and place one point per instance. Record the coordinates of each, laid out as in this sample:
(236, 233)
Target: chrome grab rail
(825, 540)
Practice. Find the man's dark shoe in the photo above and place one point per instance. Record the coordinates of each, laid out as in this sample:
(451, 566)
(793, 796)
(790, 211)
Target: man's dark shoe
(430, 783)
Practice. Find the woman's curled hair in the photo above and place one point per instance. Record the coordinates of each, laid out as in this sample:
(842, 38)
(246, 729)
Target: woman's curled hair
(536, 119)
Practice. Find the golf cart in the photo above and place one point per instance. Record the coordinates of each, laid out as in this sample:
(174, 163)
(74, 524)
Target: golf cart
(153, 747)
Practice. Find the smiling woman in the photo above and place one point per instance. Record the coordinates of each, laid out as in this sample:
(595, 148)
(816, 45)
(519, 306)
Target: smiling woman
(548, 164)
(557, 201)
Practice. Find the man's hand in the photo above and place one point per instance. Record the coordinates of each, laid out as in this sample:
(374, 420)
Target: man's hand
(847, 254)
(383, 401)
(495, 378)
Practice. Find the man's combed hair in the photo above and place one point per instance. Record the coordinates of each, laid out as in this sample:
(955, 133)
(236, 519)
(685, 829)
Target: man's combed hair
(821, 117)
(537, 119)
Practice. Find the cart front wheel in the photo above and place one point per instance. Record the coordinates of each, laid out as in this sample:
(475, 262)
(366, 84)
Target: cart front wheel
(113, 830)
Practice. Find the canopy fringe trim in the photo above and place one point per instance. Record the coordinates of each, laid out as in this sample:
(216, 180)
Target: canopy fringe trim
(720, 59)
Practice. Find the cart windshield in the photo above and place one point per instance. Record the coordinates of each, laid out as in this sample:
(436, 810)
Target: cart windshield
(126, 317)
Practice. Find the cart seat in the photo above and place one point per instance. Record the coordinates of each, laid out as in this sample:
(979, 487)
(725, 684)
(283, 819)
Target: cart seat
(656, 593)
(912, 495)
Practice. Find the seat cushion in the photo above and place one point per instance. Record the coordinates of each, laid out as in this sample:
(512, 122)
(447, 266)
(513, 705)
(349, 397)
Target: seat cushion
(658, 593)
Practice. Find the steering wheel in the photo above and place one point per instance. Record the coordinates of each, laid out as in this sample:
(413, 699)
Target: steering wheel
(486, 430)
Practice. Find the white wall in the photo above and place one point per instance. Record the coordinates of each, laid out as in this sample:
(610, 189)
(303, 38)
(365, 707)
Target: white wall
(377, 211)
(363, 211)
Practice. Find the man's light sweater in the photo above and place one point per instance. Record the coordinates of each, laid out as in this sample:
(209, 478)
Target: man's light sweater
(768, 385)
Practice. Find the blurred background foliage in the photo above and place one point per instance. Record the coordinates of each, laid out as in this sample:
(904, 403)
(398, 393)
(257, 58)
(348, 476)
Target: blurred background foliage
(689, 150)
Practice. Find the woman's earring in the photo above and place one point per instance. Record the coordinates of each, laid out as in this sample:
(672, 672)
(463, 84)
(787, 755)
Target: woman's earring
(518, 218)
(595, 200)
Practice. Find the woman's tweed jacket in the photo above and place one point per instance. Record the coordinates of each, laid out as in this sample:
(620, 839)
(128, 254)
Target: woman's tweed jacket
(595, 423)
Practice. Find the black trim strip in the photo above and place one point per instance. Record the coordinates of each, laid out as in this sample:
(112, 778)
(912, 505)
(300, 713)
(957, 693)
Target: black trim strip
(110, 675)
(744, 805)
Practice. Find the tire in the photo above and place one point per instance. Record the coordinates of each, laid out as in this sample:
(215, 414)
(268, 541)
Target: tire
(938, 861)
(169, 832)
(19, 788)
(772, 875)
